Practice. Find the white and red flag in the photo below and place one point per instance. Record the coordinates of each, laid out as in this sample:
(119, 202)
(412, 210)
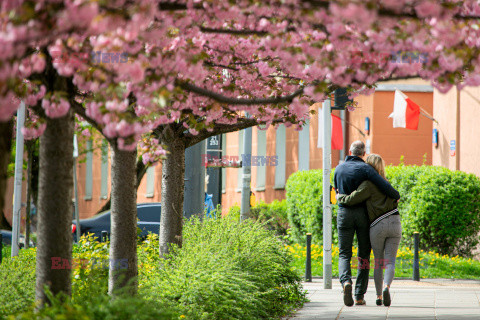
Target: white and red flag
(406, 113)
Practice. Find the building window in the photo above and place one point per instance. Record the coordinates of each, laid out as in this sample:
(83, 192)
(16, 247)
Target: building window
(89, 171)
(304, 147)
(280, 152)
(104, 171)
(224, 170)
(150, 182)
(239, 170)
(261, 152)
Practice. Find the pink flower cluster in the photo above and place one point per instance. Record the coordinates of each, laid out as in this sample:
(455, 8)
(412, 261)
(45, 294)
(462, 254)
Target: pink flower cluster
(242, 50)
(150, 150)
(55, 108)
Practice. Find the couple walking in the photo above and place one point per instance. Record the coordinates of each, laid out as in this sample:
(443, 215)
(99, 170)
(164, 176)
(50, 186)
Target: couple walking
(367, 207)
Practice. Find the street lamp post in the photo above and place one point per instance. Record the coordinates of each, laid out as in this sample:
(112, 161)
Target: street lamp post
(327, 209)
(17, 189)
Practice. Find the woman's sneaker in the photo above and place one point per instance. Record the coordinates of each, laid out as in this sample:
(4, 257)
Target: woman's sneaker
(347, 294)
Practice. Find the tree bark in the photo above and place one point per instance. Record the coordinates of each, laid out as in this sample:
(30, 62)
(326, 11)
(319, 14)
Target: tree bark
(173, 173)
(6, 136)
(123, 238)
(141, 170)
(30, 146)
(54, 253)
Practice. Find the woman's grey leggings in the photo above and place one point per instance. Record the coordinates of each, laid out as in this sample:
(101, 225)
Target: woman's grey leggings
(385, 237)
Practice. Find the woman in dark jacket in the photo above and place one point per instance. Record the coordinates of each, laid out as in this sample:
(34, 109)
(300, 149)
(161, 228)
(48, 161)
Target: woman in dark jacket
(385, 227)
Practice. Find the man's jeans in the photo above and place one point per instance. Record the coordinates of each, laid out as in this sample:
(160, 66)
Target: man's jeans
(350, 221)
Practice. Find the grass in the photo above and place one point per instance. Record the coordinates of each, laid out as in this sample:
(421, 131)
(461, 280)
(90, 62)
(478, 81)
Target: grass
(432, 265)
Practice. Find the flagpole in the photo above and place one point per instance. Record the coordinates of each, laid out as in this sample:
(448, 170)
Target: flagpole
(426, 115)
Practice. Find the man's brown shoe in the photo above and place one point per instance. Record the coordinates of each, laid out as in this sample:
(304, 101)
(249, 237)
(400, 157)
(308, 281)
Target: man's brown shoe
(360, 302)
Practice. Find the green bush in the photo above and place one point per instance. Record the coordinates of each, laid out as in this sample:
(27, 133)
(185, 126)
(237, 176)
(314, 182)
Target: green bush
(17, 282)
(226, 269)
(442, 205)
(305, 205)
(98, 307)
(273, 214)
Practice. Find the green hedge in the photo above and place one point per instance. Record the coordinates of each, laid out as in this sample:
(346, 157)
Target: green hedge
(442, 205)
(305, 205)
(17, 282)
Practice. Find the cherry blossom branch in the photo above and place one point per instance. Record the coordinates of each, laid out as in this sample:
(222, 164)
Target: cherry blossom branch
(242, 123)
(241, 32)
(237, 101)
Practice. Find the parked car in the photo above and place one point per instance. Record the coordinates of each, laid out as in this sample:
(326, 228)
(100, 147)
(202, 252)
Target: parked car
(7, 238)
(147, 213)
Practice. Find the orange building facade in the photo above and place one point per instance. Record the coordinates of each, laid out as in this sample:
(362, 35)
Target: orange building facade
(457, 114)
(294, 150)
(414, 146)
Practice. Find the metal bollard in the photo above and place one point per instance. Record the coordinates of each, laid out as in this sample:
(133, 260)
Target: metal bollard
(1, 247)
(104, 236)
(416, 260)
(308, 261)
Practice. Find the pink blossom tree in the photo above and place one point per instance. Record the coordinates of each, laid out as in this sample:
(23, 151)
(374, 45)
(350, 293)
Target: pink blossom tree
(194, 68)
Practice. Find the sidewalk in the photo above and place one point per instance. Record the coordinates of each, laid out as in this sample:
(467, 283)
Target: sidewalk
(434, 299)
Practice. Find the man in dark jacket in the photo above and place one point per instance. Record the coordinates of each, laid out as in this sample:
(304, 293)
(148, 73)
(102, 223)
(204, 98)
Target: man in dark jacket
(350, 220)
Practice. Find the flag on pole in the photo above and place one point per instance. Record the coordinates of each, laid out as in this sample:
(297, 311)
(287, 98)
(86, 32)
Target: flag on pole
(337, 132)
(406, 113)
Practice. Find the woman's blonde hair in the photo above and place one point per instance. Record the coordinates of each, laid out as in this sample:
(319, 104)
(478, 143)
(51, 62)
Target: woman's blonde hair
(377, 163)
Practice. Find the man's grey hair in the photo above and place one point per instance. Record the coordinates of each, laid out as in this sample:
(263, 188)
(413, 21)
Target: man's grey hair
(357, 148)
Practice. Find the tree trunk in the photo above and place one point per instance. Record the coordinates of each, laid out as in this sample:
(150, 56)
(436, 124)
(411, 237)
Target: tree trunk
(173, 173)
(30, 146)
(6, 136)
(54, 253)
(123, 240)
(141, 169)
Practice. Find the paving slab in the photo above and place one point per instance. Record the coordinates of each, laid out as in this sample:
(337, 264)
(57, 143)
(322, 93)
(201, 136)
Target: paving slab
(428, 299)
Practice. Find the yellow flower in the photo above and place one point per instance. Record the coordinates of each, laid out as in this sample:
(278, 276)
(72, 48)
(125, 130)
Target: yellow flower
(182, 316)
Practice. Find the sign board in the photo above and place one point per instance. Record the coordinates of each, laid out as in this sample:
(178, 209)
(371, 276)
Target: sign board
(214, 187)
(452, 148)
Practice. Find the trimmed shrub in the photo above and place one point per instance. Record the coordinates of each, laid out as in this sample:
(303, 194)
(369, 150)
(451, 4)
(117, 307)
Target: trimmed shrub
(442, 205)
(305, 206)
(17, 282)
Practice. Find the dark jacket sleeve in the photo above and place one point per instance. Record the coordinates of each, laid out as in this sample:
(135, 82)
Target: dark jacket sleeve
(381, 183)
(358, 196)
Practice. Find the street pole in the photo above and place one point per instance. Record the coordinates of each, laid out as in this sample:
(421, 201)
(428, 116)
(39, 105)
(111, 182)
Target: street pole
(327, 209)
(75, 187)
(246, 173)
(194, 195)
(343, 116)
(17, 189)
